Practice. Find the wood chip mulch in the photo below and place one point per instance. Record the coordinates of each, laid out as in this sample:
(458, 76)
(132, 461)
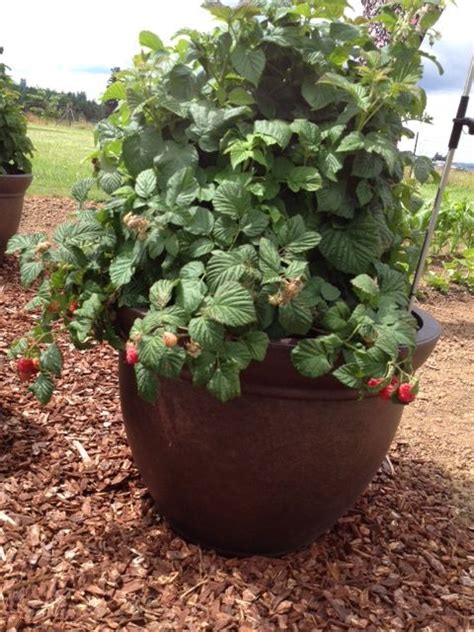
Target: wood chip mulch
(82, 547)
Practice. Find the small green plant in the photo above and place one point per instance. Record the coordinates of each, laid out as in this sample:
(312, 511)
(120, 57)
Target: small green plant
(15, 146)
(256, 193)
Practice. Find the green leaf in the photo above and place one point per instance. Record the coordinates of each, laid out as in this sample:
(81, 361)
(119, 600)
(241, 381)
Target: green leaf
(232, 198)
(115, 92)
(51, 360)
(352, 375)
(170, 157)
(306, 178)
(224, 266)
(336, 317)
(366, 288)
(269, 260)
(201, 222)
(364, 192)
(122, 269)
(150, 350)
(192, 270)
(257, 343)
(343, 31)
(316, 357)
(302, 244)
(248, 63)
(161, 292)
(254, 223)
(42, 388)
(80, 189)
(24, 242)
(225, 383)
(422, 169)
(393, 286)
(354, 140)
(208, 333)
(30, 271)
(171, 362)
(278, 131)
(353, 247)
(145, 185)
(239, 96)
(182, 188)
(309, 134)
(147, 383)
(318, 95)
(189, 294)
(200, 247)
(329, 292)
(231, 305)
(139, 150)
(151, 40)
(237, 353)
(296, 317)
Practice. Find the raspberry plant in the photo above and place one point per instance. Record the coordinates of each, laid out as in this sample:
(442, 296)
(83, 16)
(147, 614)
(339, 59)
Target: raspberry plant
(256, 192)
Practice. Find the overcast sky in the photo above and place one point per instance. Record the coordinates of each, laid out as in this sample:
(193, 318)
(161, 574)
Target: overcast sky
(72, 46)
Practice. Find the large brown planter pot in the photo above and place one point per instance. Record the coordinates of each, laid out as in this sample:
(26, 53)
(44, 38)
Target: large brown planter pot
(270, 471)
(12, 194)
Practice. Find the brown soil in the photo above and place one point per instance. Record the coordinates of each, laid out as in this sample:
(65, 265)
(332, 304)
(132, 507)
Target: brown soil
(82, 548)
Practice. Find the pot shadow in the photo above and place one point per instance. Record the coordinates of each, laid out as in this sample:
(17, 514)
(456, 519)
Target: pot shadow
(22, 442)
(401, 518)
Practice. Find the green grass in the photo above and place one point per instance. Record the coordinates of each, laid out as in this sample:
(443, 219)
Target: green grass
(57, 162)
(60, 150)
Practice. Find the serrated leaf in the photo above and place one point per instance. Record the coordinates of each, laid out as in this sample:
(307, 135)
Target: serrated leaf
(248, 63)
(42, 388)
(278, 131)
(182, 188)
(353, 247)
(24, 242)
(110, 181)
(350, 374)
(51, 359)
(364, 192)
(225, 383)
(171, 362)
(231, 305)
(145, 185)
(257, 343)
(200, 247)
(318, 95)
(80, 189)
(192, 270)
(122, 269)
(308, 241)
(269, 259)
(147, 383)
(237, 353)
(150, 350)
(393, 286)
(330, 292)
(151, 40)
(224, 266)
(304, 178)
(208, 333)
(239, 96)
(161, 292)
(316, 357)
(201, 222)
(139, 150)
(30, 271)
(189, 294)
(366, 288)
(354, 140)
(115, 92)
(422, 169)
(296, 317)
(232, 198)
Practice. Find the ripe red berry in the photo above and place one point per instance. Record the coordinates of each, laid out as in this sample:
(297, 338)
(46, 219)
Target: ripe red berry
(170, 339)
(131, 353)
(374, 382)
(387, 392)
(405, 393)
(73, 305)
(26, 368)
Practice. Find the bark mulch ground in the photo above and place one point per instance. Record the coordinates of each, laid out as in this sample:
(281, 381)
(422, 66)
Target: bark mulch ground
(82, 547)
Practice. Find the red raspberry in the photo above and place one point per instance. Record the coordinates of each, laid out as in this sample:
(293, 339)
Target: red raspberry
(131, 353)
(405, 393)
(374, 382)
(26, 368)
(170, 339)
(387, 392)
(73, 305)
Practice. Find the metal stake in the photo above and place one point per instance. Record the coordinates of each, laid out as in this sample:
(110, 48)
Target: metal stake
(459, 122)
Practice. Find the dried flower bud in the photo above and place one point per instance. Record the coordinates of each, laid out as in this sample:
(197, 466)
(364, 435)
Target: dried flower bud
(193, 349)
(43, 246)
(275, 299)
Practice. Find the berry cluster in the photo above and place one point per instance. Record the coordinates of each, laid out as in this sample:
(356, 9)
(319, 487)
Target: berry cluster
(403, 393)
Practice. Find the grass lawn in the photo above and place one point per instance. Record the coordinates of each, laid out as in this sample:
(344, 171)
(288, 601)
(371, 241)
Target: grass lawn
(60, 150)
(57, 162)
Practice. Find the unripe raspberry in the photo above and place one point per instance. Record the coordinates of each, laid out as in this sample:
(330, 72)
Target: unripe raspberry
(170, 339)
(193, 349)
(131, 353)
(405, 393)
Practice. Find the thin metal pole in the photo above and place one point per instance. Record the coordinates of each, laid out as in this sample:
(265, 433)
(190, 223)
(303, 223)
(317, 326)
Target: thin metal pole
(453, 144)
